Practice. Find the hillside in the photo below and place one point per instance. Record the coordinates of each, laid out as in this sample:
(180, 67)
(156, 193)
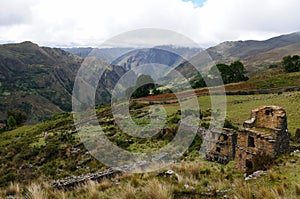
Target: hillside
(39, 80)
(256, 54)
(33, 156)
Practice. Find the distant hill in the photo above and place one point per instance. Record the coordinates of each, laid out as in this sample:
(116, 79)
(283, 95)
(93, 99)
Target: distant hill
(130, 57)
(39, 80)
(106, 54)
(256, 54)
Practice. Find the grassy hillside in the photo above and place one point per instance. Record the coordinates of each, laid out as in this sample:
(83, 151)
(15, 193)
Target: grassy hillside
(32, 156)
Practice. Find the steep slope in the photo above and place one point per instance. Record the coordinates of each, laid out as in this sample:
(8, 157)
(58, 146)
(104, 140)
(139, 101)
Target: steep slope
(39, 80)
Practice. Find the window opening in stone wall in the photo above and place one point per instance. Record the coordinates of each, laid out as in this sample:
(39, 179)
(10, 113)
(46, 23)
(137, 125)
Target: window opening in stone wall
(269, 112)
(249, 164)
(251, 141)
(225, 137)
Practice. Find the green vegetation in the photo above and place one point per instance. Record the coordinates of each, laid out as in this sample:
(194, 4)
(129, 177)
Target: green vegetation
(291, 63)
(141, 89)
(11, 122)
(18, 115)
(275, 79)
(229, 73)
(45, 149)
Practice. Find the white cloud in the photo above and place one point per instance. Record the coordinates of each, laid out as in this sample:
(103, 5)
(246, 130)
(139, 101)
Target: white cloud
(90, 22)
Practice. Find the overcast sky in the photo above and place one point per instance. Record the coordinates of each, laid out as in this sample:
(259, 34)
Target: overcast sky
(90, 22)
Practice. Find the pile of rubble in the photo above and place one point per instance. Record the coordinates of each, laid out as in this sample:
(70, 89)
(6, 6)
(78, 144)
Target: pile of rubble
(73, 181)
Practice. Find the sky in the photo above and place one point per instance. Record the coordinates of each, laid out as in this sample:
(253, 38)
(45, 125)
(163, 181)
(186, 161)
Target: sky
(66, 23)
(197, 3)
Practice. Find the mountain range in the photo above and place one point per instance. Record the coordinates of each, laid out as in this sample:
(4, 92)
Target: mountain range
(39, 80)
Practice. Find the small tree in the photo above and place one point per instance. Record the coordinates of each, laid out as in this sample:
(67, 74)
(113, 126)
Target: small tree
(230, 73)
(11, 122)
(291, 64)
(19, 116)
(142, 88)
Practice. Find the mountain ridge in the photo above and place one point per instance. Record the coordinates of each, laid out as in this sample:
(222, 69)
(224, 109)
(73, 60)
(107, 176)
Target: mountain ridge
(244, 50)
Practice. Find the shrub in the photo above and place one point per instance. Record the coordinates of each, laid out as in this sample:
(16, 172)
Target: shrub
(11, 122)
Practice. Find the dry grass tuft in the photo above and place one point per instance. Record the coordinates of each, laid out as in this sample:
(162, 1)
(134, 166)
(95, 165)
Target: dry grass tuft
(13, 190)
(158, 190)
(128, 192)
(36, 191)
(297, 188)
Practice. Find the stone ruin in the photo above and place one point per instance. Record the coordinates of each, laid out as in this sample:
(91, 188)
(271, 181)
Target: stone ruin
(219, 146)
(263, 138)
(73, 181)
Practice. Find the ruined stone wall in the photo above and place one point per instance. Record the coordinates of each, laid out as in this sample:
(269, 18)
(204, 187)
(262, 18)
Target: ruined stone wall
(220, 146)
(251, 144)
(264, 137)
(272, 117)
(282, 144)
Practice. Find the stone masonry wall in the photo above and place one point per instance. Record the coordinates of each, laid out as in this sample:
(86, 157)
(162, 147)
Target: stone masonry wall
(220, 146)
(272, 117)
(264, 137)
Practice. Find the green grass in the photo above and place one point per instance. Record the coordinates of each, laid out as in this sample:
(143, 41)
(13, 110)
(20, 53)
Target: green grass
(275, 79)
(239, 107)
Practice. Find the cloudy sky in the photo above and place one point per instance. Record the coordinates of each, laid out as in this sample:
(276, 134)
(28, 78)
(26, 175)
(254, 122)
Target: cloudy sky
(90, 22)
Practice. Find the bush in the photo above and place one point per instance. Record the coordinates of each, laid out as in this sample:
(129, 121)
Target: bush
(11, 122)
(19, 116)
(291, 64)
(229, 125)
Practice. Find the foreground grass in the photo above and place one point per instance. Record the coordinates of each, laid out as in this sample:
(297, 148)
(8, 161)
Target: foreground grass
(193, 179)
